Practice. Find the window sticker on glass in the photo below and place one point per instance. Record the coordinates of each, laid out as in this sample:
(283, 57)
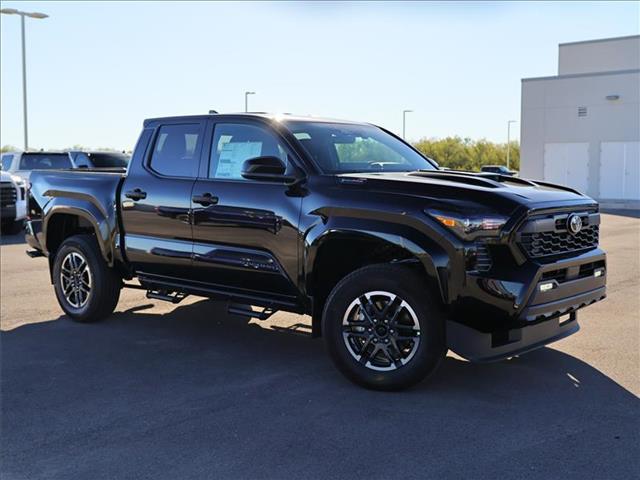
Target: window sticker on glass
(233, 155)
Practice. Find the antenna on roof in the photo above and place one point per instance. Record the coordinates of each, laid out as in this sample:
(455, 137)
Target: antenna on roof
(212, 112)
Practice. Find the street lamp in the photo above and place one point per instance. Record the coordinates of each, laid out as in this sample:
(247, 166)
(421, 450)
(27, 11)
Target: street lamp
(246, 100)
(404, 122)
(509, 140)
(13, 11)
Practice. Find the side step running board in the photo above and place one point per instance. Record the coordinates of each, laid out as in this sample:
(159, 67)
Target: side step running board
(247, 311)
(173, 297)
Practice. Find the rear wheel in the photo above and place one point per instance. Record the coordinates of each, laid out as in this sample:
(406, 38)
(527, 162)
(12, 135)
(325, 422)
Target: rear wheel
(86, 288)
(383, 328)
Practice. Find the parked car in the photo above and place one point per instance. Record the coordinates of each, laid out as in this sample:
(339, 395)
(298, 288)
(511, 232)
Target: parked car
(13, 202)
(501, 169)
(394, 260)
(22, 163)
(99, 159)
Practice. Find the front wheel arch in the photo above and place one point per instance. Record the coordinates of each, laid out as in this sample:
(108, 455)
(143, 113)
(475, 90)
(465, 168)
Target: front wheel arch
(340, 254)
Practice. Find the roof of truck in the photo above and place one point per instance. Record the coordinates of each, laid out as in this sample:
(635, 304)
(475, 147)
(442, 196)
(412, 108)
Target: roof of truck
(262, 115)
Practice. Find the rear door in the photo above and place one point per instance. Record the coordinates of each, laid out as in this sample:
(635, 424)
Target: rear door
(246, 237)
(156, 199)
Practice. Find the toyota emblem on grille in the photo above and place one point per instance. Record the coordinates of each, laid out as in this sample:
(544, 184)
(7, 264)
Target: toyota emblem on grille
(574, 224)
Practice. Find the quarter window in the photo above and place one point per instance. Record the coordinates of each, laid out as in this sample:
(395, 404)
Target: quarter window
(235, 143)
(175, 152)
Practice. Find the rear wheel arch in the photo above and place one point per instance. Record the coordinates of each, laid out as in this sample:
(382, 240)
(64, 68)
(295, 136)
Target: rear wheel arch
(62, 223)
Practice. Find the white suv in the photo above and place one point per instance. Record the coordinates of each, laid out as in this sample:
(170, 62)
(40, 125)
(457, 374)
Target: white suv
(21, 163)
(13, 202)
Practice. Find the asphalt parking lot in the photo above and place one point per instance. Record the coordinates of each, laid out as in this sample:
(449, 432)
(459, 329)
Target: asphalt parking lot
(187, 391)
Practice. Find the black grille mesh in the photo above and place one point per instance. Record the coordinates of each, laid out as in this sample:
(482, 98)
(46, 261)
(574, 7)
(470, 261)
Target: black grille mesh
(8, 194)
(543, 244)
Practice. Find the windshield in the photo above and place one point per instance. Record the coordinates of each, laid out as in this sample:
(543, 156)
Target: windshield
(347, 148)
(37, 161)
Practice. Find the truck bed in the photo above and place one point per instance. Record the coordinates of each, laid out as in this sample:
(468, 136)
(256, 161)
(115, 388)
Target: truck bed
(91, 194)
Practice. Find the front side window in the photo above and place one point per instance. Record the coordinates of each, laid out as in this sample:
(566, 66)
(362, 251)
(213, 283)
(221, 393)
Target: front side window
(351, 148)
(6, 162)
(44, 161)
(233, 144)
(175, 152)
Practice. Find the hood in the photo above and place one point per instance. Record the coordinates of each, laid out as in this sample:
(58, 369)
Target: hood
(8, 177)
(495, 192)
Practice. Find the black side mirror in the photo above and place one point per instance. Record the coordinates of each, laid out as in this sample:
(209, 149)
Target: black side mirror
(267, 168)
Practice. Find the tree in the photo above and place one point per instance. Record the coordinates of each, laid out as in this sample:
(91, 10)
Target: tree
(466, 154)
(8, 148)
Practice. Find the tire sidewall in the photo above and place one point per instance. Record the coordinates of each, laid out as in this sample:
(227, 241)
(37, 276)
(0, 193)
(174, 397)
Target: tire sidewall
(79, 245)
(409, 286)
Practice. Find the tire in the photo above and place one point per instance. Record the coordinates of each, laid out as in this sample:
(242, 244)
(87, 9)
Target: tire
(408, 347)
(93, 292)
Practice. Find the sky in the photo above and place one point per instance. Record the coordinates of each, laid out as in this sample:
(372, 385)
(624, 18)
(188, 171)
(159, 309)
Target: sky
(95, 71)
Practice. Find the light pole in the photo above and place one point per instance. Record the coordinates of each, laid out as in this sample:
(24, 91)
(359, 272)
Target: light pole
(13, 11)
(404, 122)
(509, 141)
(246, 100)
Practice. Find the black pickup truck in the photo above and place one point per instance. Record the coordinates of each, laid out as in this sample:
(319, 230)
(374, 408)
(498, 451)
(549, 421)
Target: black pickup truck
(395, 260)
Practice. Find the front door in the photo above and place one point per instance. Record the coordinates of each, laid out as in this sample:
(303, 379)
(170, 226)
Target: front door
(245, 231)
(156, 200)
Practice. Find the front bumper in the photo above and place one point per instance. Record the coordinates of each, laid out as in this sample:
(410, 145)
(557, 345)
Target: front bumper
(488, 347)
(8, 213)
(531, 314)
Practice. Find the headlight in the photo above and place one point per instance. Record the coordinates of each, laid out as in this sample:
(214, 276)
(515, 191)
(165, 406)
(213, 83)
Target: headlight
(19, 181)
(469, 227)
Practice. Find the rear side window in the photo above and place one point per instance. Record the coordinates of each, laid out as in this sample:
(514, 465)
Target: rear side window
(176, 150)
(6, 161)
(44, 161)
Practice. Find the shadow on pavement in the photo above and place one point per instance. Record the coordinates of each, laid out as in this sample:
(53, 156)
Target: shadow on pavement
(200, 394)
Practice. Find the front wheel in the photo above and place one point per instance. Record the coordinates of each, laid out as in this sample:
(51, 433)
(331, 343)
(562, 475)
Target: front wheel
(86, 288)
(383, 327)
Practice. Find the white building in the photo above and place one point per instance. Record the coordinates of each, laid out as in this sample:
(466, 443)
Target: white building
(581, 128)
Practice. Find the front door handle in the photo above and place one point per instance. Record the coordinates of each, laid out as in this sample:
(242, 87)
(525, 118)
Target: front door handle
(205, 199)
(136, 194)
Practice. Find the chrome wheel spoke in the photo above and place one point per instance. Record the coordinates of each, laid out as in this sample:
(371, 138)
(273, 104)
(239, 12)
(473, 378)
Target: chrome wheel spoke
(367, 309)
(75, 279)
(381, 331)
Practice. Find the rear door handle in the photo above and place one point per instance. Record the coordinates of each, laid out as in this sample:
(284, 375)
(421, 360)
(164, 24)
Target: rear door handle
(205, 199)
(136, 194)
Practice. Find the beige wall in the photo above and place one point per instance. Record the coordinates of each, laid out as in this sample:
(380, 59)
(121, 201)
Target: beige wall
(599, 55)
(549, 114)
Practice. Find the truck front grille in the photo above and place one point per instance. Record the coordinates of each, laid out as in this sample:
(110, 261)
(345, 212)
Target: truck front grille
(548, 236)
(8, 194)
